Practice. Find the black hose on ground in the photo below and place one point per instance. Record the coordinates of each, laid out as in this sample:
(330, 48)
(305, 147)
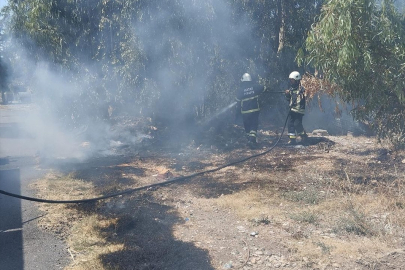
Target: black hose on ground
(176, 179)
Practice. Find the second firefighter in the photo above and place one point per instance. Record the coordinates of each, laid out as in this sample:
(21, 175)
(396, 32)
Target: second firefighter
(296, 97)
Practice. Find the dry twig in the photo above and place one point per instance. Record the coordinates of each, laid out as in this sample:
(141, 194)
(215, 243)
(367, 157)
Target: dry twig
(247, 257)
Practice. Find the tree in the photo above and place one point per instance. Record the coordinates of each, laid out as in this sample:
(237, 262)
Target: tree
(359, 47)
(147, 53)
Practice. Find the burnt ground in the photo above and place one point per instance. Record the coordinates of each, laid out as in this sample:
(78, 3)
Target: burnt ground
(244, 216)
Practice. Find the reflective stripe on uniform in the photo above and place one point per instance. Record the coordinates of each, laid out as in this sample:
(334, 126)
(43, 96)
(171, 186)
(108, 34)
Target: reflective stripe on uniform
(252, 110)
(301, 111)
(246, 99)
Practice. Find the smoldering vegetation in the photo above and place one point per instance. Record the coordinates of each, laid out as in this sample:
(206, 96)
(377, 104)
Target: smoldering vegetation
(93, 66)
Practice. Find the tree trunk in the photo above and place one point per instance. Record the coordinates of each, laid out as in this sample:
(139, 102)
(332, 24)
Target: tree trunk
(281, 11)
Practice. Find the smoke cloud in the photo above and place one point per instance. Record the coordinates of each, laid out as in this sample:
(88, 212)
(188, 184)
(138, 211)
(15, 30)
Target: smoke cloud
(191, 57)
(193, 52)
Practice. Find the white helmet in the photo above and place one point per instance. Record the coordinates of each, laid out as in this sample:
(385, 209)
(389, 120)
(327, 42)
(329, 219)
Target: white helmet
(246, 78)
(295, 75)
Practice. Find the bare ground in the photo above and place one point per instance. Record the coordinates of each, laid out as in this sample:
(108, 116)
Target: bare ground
(336, 203)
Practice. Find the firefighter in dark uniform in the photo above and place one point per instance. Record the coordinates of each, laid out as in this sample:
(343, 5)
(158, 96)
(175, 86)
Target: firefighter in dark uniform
(248, 105)
(296, 97)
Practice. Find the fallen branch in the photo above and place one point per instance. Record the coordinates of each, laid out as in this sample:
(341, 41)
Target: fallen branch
(73, 258)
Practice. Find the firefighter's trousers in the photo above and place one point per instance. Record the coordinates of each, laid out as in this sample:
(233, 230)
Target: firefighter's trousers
(251, 124)
(295, 127)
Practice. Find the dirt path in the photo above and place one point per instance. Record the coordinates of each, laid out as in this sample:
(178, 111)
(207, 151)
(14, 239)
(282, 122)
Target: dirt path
(335, 204)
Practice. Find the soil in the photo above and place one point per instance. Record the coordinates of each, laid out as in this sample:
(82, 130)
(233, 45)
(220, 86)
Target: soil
(194, 222)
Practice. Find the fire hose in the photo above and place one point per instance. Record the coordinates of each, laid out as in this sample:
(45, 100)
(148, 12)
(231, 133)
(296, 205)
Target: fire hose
(170, 181)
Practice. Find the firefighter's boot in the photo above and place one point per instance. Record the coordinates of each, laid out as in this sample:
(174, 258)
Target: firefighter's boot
(304, 138)
(292, 140)
(252, 141)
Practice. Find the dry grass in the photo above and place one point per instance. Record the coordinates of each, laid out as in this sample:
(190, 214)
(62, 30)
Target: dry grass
(58, 217)
(81, 231)
(345, 225)
(87, 244)
(324, 213)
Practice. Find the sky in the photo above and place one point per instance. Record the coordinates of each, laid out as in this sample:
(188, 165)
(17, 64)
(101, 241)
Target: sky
(3, 3)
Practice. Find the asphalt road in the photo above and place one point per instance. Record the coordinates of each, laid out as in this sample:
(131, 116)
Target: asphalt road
(22, 244)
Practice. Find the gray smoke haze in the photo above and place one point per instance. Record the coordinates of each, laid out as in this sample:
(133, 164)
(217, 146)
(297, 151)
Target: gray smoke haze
(202, 46)
(193, 57)
(205, 45)
(45, 121)
(333, 115)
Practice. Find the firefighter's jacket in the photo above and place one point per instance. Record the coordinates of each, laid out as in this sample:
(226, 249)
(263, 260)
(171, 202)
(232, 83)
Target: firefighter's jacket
(296, 98)
(248, 97)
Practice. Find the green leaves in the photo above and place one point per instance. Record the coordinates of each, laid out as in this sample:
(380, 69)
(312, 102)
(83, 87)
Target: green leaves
(360, 47)
(142, 52)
